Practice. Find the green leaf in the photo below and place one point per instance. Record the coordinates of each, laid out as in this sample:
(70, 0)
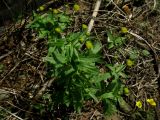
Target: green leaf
(101, 77)
(62, 26)
(69, 72)
(134, 54)
(70, 50)
(78, 106)
(115, 40)
(109, 95)
(66, 100)
(119, 68)
(92, 93)
(111, 67)
(110, 37)
(51, 50)
(109, 107)
(47, 96)
(88, 59)
(114, 86)
(123, 105)
(111, 45)
(145, 53)
(43, 33)
(88, 68)
(58, 57)
(49, 59)
(76, 53)
(59, 43)
(97, 47)
(64, 18)
(119, 41)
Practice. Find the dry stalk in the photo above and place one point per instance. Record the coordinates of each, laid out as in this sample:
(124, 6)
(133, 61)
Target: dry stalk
(43, 89)
(11, 113)
(95, 12)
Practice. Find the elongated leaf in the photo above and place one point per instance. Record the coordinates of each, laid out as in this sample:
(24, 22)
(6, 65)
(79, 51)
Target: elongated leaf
(110, 37)
(109, 95)
(50, 60)
(51, 50)
(92, 92)
(76, 53)
(119, 68)
(101, 77)
(59, 57)
(73, 37)
(97, 47)
(123, 105)
(109, 107)
(71, 50)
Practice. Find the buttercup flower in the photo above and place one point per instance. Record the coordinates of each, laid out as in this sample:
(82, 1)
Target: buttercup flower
(151, 102)
(89, 44)
(126, 91)
(129, 63)
(124, 30)
(58, 30)
(84, 26)
(76, 7)
(41, 8)
(55, 11)
(139, 104)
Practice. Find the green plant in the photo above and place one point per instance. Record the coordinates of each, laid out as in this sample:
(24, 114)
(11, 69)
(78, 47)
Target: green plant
(75, 66)
(114, 41)
(134, 54)
(111, 95)
(145, 53)
(49, 24)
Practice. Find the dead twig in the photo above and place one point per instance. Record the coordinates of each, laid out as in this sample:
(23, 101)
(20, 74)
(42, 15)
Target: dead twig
(43, 89)
(5, 55)
(95, 12)
(11, 113)
(17, 64)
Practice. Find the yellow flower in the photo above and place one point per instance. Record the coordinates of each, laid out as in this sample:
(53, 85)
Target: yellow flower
(58, 30)
(84, 26)
(126, 91)
(139, 104)
(130, 63)
(124, 30)
(41, 8)
(76, 7)
(55, 11)
(89, 44)
(151, 102)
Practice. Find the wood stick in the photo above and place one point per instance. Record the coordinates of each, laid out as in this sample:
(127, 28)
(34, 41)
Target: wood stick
(95, 12)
